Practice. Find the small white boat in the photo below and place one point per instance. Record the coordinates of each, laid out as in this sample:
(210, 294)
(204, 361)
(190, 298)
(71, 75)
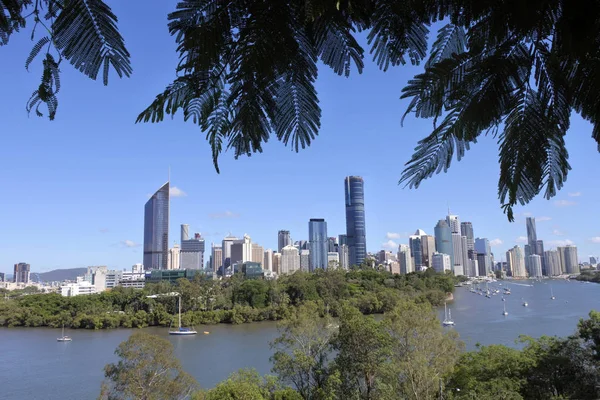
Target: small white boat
(447, 317)
(525, 304)
(182, 331)
(552, 294)
(505, 313)
(64, 338)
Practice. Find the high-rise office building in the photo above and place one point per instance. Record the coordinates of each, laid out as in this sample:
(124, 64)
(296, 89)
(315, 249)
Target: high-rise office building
(428, 246)
(552, 261)
(317, 237)
(443, 239)
(174, 260)
(332, 245)
(539, 250)
(453, 223)
(283, 239)
(2, 277)
(268, 260)
(484, 256)
(441, 262)
(355, 219)
(531, 233)
(192, 253)
(535, 266)
(593, 260)
(21, 273)
(416, 249)
(562, 258)
(226, 244)
(405, 259)
(258, 254)
(185, 232)
(342, 239)
(457, 254)
(276, 262)
(216, 256)
(290, 260)
(571, 265)
(516, 262)
(344, 256)
(305, 260)
(466, 229)
(466, 262)
(156, 229)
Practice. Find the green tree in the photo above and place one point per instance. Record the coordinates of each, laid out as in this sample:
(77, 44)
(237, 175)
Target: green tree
(147, 370)
(422, 353)
(249, 385)
(589, 329)
(302, 351)
(363, 348)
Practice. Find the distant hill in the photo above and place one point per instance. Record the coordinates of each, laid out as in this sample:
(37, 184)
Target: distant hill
(58, 274)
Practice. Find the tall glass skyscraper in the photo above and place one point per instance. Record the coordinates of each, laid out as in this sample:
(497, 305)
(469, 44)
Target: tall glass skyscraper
(355, 219)
(531, 234)
(156, 229)
(317, 237)
(443, 239)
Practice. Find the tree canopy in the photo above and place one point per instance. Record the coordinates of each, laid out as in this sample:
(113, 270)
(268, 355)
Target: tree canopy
(513, 70)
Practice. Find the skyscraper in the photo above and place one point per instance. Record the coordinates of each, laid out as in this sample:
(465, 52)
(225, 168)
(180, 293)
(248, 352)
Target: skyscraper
(344, 256)
(535, 266)
(466, 262)
(226, 246)
(416, 250)
(428, 246)
(405, 259)
(192, 252)
(342, 239)
(531, 234)
(156, 229)
(466, 229)
(317, 237)
(185, 232)
(355, 219)
(174, 257)
(457, 254)
(21, 273)
(539, 250)
(453, 222)
(268, 260)
(516, 262)
(290, 260)
(258, 254)
(305, 260)
(484, 256)
(283, 239)
(331, 245)
(216, 257)
(552, 262)
(571, 264)
(443, 239)
(276, 262)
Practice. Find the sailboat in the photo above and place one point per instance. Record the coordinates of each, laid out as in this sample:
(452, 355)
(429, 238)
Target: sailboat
(504, 312)
(64, 338)
(524, 303)
(552, 294)
(181, 331)
(447, 317)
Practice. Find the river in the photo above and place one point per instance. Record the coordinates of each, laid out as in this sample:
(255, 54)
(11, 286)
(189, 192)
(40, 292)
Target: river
(35, 366)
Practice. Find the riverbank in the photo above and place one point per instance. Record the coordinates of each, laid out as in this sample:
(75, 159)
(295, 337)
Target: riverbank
(231, 301)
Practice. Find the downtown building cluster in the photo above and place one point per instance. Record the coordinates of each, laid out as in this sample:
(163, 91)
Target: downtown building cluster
(234, 254)
(454, 247)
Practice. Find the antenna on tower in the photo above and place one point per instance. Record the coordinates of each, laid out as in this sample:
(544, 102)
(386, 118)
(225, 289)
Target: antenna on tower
(448, 203)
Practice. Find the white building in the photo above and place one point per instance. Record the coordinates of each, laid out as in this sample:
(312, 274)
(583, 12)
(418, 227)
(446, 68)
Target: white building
(457, 247)
(333, 259)
(552, 261)
(290, 260)
(441, 262)
(76, 289)
(344, 256)
(516, 262)
(304, 259)
(174, 257)
(405, 259)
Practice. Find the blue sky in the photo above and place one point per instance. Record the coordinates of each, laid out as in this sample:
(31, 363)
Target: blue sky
(74, 189)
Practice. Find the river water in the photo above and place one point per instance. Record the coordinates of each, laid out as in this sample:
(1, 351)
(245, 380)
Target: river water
(33, 365)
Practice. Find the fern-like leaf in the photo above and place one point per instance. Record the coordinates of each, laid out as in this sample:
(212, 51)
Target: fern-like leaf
(46, 92)
(86, 34)
(36, 50)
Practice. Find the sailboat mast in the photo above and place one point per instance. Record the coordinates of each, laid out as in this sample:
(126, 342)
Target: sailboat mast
(180, 312)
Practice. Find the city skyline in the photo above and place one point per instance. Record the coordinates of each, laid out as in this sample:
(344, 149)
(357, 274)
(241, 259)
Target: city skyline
(87, 172)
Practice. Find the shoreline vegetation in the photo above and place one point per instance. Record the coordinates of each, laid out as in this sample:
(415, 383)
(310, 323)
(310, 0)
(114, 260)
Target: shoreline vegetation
(234, 300)
(405, 355)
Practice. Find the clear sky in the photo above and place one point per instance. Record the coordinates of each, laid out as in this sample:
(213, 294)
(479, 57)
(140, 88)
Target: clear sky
(74, 189)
